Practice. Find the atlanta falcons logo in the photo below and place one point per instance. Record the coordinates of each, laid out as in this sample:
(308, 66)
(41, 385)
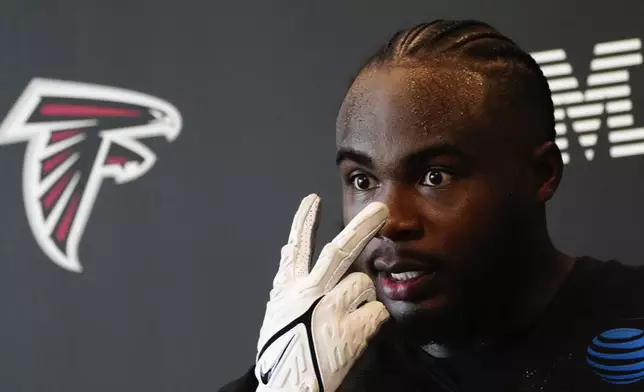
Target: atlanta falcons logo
(77, 136)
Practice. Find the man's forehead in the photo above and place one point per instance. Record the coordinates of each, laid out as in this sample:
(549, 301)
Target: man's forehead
(386, 103)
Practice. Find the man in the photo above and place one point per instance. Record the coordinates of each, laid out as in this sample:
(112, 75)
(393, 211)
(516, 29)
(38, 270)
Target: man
(446, 150)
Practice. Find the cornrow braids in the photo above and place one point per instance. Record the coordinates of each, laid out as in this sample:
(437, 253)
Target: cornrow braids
(478, 46)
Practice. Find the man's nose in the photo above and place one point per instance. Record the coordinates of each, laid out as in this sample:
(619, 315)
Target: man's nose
(404, 222)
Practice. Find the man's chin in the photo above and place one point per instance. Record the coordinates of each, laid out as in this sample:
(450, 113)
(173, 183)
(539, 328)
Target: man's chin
(433, 320)
(402, 310)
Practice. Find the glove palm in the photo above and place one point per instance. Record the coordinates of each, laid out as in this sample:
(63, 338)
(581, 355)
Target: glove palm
(314, 328)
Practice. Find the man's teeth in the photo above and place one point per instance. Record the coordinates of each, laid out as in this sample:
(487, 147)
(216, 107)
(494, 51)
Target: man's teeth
(406, 275)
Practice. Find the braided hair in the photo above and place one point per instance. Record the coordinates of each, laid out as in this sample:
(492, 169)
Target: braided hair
(476, 46)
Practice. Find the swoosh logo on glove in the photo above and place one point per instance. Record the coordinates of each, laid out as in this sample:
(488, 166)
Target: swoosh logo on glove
(265, 376)
(304, 319)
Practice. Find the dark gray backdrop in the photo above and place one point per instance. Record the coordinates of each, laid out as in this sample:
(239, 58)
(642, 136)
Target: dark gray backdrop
(179, 263)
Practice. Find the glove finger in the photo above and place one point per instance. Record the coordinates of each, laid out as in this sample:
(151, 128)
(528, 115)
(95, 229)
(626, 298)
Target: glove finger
(337, 256)
(352, 291)
(296, 254)
(306, 231)
(367, 319)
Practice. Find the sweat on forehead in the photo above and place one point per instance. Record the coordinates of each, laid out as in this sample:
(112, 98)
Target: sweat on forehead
(432, 98)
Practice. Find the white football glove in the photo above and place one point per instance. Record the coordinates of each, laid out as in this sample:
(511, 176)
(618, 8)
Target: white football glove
(313, 330)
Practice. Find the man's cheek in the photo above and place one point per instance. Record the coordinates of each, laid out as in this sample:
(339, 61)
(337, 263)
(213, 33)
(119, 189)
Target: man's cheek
(352, 268)
(360, 264)
(350, 206)
(462, 233)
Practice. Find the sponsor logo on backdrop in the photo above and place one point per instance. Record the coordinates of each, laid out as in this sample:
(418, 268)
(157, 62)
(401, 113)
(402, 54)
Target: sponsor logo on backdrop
(598, 112)
(77, 136)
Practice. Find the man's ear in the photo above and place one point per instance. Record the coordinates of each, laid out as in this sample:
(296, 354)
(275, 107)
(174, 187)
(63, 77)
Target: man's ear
(548, 170)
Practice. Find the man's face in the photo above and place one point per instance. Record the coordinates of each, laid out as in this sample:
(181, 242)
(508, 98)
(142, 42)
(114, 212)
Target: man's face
(423, 141)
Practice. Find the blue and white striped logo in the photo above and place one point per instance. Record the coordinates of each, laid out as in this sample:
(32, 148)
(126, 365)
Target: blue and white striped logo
(617, 356)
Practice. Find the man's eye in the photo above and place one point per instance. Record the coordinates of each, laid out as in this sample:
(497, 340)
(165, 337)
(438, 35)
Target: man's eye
(436, 178)
(362, 182)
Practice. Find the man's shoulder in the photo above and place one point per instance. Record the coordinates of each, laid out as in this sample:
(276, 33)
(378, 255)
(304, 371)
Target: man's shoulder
(615, 276)
(601, 317)
(607, 272)
(611, 287)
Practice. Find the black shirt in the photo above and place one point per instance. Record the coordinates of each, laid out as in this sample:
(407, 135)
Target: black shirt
(594, 324)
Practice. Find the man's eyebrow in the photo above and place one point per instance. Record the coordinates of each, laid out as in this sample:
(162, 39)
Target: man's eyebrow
(417, 157)
(349, 154)
(425, 154)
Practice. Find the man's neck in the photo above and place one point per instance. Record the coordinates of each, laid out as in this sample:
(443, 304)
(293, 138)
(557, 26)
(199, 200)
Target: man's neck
(543, 271)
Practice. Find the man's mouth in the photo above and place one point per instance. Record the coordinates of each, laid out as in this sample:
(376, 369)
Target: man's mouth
(405, 276)
(405, 280)
(406, 286)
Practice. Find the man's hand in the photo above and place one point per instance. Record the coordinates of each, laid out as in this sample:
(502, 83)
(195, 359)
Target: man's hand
(315, 330)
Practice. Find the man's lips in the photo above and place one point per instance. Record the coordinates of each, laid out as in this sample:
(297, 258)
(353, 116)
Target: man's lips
(393, 266)
(402, 274)
(405, 280)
